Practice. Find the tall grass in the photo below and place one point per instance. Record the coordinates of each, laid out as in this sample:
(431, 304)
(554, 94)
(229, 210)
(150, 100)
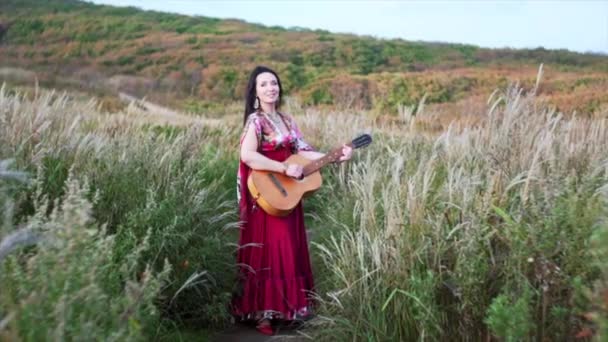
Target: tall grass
(165, 186)
(490, 230)
(470, 234)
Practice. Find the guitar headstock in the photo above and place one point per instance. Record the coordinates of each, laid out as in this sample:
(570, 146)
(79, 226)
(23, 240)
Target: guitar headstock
(362, 141)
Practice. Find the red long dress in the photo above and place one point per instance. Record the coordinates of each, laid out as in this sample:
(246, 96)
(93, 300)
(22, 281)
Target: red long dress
(275, 276)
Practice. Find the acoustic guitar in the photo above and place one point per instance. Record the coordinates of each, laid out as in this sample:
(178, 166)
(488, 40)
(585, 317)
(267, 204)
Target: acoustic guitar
(277, 194)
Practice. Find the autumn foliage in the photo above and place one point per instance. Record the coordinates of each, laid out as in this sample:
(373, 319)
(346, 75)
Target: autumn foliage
(195, 62)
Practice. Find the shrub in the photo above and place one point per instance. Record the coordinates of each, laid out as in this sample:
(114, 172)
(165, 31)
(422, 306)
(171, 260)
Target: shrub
(510, 321)
(63, 289)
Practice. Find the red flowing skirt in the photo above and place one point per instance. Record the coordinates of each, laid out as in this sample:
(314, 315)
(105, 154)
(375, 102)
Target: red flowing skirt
(275, 276)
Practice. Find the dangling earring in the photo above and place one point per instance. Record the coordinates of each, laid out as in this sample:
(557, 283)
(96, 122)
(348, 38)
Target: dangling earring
(256, 103)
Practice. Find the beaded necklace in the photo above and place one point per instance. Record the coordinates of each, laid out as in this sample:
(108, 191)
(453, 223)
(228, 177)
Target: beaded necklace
(276, 120)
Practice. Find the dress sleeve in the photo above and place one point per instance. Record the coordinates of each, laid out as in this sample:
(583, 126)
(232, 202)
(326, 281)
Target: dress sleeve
(300, 143)
(253, 119)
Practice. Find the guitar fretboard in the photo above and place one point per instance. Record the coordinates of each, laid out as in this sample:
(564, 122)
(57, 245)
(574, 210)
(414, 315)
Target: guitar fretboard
(330, 157)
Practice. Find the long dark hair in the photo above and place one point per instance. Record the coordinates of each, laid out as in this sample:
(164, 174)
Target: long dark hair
(250, 92)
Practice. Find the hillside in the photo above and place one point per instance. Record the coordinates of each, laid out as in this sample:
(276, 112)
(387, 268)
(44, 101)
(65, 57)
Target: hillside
(198, 63)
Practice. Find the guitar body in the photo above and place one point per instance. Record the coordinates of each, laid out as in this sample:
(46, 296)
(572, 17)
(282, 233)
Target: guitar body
(278, 194)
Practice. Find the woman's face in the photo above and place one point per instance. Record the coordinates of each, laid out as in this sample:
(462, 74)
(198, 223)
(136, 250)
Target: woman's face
(267, 88)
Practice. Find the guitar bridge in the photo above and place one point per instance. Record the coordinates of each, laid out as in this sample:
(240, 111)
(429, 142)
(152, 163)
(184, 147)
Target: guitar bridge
(276, 182)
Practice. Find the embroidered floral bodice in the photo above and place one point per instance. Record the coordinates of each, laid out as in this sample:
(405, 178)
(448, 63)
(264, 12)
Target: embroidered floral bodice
(271, 137)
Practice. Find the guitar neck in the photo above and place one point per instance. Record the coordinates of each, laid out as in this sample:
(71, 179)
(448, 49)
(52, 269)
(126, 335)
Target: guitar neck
(330, 157)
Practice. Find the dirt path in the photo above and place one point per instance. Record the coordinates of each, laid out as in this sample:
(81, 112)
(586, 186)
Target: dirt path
(159, 114)
(240, 333)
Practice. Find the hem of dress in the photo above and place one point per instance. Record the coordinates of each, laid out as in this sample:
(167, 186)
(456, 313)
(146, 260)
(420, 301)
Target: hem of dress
(302, 314)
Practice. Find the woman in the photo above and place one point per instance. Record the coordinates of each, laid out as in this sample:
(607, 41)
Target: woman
(275, 276)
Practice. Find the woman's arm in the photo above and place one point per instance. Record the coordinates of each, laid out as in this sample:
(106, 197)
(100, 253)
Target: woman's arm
(254, 159)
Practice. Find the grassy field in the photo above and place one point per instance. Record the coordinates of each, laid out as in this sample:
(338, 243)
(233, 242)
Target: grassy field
(119, 225)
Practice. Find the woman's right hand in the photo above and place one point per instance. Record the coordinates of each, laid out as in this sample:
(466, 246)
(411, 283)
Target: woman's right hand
(294, 170)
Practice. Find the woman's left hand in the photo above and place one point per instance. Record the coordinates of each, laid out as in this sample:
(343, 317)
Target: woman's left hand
(347, 153)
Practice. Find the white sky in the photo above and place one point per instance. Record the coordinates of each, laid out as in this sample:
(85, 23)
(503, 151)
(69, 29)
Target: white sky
(574, 25)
